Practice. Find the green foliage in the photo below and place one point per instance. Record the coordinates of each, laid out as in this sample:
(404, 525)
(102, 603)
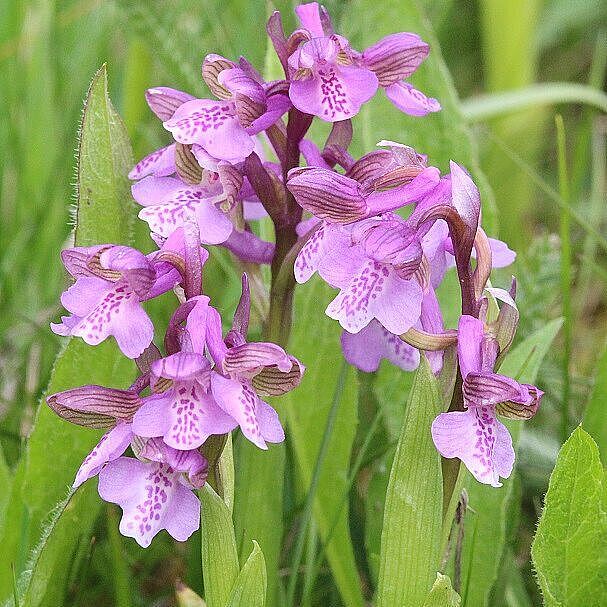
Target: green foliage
(250, 586)
(101, 217)
(595, 420)
(411, 535)
(306, 425)
(570, 547)
(442, 594)
(219, 555)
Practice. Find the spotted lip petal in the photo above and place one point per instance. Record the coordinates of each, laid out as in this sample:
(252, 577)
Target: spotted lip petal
(477, 438)
(366, 349)
(152, 498)
(213, 125)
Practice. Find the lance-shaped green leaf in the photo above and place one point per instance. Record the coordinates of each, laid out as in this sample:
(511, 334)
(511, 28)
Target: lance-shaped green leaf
(570, 547)
(250, 587)
(55, 448)
(219, 554)
(44, 578)
(411, 535)
(486, 520)
(258, 505)
(307, 409)
(442, 594)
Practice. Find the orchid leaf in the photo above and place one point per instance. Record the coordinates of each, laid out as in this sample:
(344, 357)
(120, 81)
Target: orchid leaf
(411, 535)
(570, 547)
(258, 505)
(485, 521)
(102, 215)
(44, 577)
(250, 587)
(307, 410)
(219, 554)
(442, 594)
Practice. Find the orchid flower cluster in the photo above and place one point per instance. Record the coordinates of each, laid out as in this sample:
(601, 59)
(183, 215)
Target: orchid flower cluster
(382, 229)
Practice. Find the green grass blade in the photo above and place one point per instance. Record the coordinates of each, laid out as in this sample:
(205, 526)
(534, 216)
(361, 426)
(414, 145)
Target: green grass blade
(250, 586)
(258, 505)
(490, 105)
(219, 554)
(102, 216)
(595, 420)
(411, 535)
(307, 410)
(566, 273)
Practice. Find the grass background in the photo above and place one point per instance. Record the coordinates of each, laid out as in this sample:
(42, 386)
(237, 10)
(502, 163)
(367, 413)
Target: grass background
(50, 50)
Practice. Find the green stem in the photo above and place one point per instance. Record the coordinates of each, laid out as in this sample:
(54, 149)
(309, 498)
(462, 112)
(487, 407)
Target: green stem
(565, 234)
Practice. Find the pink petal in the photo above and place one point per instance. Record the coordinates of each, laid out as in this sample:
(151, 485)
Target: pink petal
(153, 190)
(111, 446)
(159, 163)
(470, 334)
(182, 366)
(269, 423)
(309, 17)
(334, 93)
(477, 438)
(214, 225)
(367, 348)
(176, 209)
(150, 495)
(398, 304)
(411, 101)
(213, 125)
(395, 57)
(84, 295)
(163, 101)
(240, 401)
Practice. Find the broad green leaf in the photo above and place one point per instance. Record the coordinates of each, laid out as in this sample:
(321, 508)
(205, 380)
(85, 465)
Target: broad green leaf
(258, 505)
(219, 555)
(486, 520)
(306, 410)
(570, 547)
(250, 587)
(56, 448)
(44, 577)
(411, 536)
(105, 210)
(442, 594)
(595, 420)
(6, 480)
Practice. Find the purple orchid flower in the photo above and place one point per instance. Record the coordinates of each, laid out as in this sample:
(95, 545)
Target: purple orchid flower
(243, 371)
(331, 80)
(155, 494)
(381, 181)
(225, 129)
(111, 282)
(475, 435)
(185, 414)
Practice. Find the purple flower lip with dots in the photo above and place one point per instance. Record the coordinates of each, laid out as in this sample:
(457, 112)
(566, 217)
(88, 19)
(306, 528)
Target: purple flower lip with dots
(475, 435)
(331, 80)
(111, 282)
